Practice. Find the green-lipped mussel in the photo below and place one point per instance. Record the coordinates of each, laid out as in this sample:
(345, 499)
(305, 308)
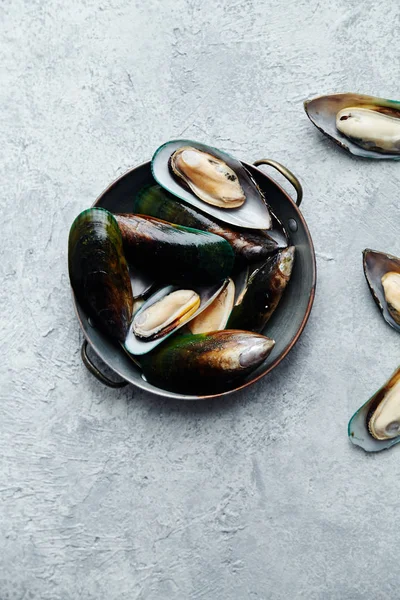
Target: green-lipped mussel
(382, 272)
(205, 362)
(376, 425)
(166, 311)
(365, 126)
(98, 271)
(263, 291)
(174, 253)
(249, 208)
(250, 245)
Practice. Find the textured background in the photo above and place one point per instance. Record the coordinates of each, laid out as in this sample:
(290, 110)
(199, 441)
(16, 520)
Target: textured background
(115, 494)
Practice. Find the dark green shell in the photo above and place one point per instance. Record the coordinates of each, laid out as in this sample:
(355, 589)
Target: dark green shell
(264, 290)
(199, 363)
(98, 271)
(252, 245)
(174, 253)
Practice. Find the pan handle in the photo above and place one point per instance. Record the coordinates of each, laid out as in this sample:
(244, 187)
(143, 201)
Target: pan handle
(286, 173)
(95, 371)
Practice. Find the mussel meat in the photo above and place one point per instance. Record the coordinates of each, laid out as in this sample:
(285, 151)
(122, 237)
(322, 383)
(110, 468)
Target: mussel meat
(391, 289)
(174, 253)
(208, 177)
(98, 271)
(167, 311)
(215, 316)
(250, 245)
(165, 314)
(263, 291)
(202, 363)
(382, 272)
(376, 425)
(252, 213)
(370, 129)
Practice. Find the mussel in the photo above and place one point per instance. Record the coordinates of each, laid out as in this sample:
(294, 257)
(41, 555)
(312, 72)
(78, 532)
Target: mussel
(382, 272)
(216, 315)
(174, 253)
(166, 311)
(153, 321)
(248, 209)
(250, 245)
(202, 363)
(98, 271)
(363, 125)
(376, 425)
(263, 291)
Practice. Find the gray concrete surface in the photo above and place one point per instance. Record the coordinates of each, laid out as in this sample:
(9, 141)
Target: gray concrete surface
(115, 494)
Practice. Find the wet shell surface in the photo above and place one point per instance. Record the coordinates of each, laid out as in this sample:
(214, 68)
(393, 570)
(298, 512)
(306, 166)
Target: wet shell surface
(376, 425)
(382, 272)
(253, 212)
(173, 253)
(165, 312)
(250, 244)
(363, 125)
(99, 272)
(262, 292)
(205, 362)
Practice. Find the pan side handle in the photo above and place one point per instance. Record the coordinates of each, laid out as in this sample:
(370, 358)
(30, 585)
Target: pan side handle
(96, 372)
(286, 173)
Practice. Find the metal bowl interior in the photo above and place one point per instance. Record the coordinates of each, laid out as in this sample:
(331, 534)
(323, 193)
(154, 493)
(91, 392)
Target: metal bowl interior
(285, 326)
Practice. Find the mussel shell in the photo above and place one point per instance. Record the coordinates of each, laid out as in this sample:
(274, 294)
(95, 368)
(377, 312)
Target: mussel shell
(173, 253)
(136, 346)
(98, 271)
(376, 264)
(322, 113)
(253, 214)
(358, 425)
(264, 289)
(205, 362)
(251, 245)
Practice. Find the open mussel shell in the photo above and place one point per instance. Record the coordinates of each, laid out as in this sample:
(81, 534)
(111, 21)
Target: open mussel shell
(377, 267)
(379, 418)
(206, 362)
(171, 320)
(174, 253)
(253, 213)
(323, 111)
(250, 245)
(216, 315)
(262, 292)
(98, 271)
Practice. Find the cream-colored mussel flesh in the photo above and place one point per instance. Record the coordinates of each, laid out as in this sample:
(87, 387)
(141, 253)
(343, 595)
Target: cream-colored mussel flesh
(370, 129)
(384, 423)
(208, 177)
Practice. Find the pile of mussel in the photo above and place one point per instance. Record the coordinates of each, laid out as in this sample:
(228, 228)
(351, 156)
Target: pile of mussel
(187, 281)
